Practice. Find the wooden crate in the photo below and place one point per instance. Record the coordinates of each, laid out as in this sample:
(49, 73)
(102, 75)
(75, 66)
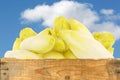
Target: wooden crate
(79, 69)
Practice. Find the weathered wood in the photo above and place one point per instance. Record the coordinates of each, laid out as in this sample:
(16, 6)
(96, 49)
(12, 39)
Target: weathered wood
(80, 69)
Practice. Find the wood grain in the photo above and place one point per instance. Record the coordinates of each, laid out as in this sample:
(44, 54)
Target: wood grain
(79, 69)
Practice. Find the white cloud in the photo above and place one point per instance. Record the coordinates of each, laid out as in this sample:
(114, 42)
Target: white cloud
(83, 12)
(110, 15)
(107, 11)
(69, 9)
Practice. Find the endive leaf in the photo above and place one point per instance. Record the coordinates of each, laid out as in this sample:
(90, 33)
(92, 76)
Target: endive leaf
(24, 33)
(38, 44)
(60, 23)
(27, 32)
(84, 46)
(16, 45)
(21, 54)
(60, 46)
(47, 31)
(53, 55)
(106, 38)
(69, 55)
(77, 26)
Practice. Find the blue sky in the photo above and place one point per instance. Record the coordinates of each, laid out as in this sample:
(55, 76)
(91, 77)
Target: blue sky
(13, 15)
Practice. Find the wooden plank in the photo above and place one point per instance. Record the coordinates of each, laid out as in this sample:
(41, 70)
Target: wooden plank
(79, 69)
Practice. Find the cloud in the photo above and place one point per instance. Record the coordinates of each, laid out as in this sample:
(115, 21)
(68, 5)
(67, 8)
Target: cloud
(47, 13)
(110, 15)
(107, 11)
(83, 12)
